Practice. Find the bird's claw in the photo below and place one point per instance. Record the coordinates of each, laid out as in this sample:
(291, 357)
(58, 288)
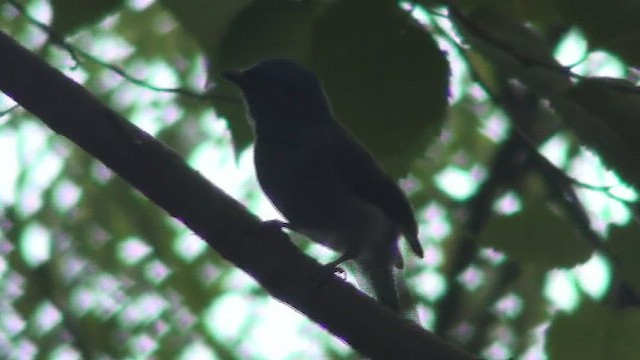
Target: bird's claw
(327, 272)
(340, 272)
(278, 224)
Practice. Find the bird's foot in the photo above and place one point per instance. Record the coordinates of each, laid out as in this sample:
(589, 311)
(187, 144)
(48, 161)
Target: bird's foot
(333, 267)
(340, 272)
(326, 273)
(279, 224)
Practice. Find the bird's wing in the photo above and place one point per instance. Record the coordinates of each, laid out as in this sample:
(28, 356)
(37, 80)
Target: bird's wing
(362, 175)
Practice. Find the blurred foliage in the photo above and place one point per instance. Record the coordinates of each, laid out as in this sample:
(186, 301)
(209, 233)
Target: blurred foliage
(447, 94)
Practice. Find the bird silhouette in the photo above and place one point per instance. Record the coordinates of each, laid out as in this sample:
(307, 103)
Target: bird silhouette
(322, 180)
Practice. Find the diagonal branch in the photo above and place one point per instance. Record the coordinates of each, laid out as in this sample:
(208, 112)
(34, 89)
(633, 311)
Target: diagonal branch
(163, 177)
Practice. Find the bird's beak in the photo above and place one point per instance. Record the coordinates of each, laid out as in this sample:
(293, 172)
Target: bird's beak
(235, 76)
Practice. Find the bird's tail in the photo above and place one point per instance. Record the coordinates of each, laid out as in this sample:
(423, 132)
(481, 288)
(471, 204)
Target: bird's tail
(386, 284)
(406, 302)
(376, 280)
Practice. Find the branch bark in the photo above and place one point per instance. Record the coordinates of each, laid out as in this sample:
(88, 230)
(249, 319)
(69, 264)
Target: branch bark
(161, 175)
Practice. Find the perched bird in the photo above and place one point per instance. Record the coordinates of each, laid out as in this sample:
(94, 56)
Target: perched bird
(324, 182)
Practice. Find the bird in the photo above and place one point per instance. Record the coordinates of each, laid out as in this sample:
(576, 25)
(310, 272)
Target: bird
(325, 183)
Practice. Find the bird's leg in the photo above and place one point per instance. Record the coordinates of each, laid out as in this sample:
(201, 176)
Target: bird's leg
(344, 257)
(332, 266)
(350, 254)
(279, 224)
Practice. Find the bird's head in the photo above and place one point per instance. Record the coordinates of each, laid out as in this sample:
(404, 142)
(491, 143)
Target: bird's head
(281, 92)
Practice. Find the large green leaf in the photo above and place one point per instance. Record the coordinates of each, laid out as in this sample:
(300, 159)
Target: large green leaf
(595, 333)
(206, 20)
(624, 247)
(385, 75)
(536, 235)
(541, 12)
(604, 113)
(71, 15)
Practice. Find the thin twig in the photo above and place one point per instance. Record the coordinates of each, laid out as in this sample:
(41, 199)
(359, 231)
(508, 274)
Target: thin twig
(76, 54)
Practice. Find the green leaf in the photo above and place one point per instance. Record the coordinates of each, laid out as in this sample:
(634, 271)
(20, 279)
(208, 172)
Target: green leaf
(71, 15)
(542, 12)
(514, 50)
(386, 78)
(595, 333)
(612, 25)
(604, 113)
(206, 20)
(536, 235)
(624, 246)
